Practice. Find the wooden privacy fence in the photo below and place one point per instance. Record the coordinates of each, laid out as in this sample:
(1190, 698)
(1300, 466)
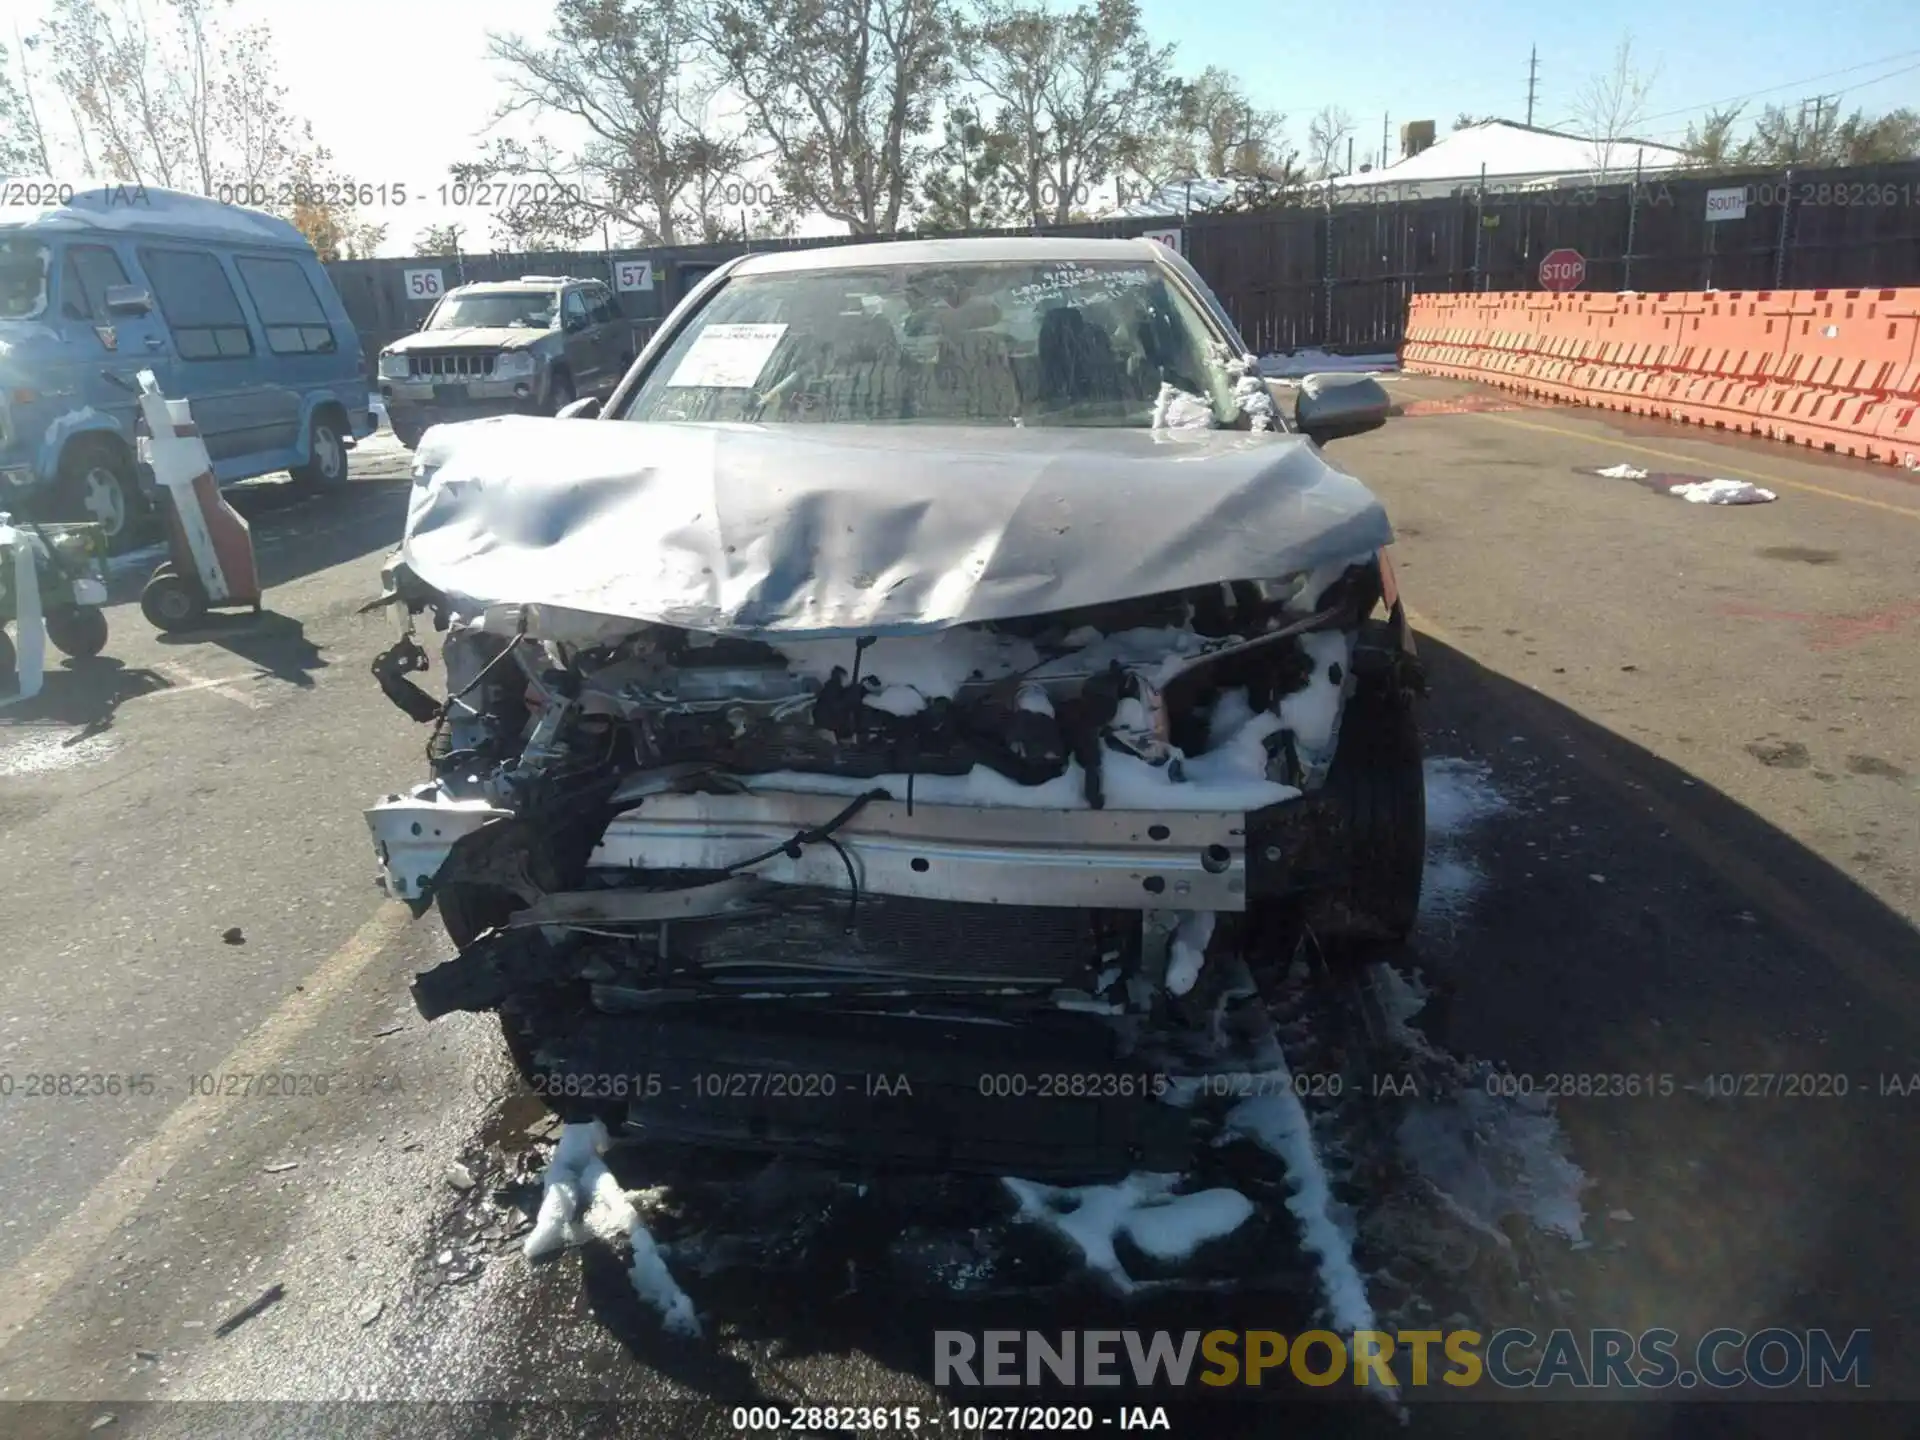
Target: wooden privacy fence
(1838, 370)
(1339, 276)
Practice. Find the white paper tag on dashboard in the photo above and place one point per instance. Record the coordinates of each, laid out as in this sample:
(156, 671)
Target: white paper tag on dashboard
(728, 357)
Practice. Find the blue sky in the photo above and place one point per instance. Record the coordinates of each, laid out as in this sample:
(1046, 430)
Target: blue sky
(399, 88)
(1433, 60)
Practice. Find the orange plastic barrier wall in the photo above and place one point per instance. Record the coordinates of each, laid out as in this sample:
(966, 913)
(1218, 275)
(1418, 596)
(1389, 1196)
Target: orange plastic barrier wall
(1838, 370)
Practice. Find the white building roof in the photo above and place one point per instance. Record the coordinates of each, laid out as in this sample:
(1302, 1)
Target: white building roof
(1176, 197)
(1513, 155)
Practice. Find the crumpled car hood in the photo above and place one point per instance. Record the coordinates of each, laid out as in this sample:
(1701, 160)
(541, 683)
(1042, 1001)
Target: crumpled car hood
(821, 530)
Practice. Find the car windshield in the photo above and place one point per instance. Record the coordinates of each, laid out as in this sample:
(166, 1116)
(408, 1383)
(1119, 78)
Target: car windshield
(501, 310)
(1053, 343)
(23, 278)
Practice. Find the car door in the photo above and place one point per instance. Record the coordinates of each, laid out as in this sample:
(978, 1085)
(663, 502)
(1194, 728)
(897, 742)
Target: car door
(303, 352)
(218, 366)
(607, 329)
(583, 349)
(620, 338)
(119, 344)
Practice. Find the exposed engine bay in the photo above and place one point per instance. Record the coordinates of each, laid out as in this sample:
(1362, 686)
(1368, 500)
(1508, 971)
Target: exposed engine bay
(800, 755)
(1075, 821)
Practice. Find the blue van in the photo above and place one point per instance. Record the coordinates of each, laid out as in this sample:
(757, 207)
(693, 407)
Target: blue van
(229, 308)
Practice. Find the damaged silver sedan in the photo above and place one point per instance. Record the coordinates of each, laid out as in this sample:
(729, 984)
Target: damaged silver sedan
(938, 677)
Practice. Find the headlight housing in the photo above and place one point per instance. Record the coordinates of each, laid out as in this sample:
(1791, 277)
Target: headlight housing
(395, 367)
(514, 365)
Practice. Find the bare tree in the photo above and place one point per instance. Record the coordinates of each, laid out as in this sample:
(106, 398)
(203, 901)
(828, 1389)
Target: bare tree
(964, 185)
(1215, 129)
(331, 227)
(1327, 135)
(844, 92)
(1817, 135)
(438, 240)
(1611, 104)
(23, 139)
(630, 74)
(1894, 136)
(1711, 142)
(1076, 95)
(161, 92)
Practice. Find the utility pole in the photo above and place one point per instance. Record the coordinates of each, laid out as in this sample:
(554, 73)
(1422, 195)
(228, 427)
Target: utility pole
(1533, 69)
(1383, 138)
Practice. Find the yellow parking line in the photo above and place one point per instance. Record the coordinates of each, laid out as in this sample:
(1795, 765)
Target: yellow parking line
(73, 1244)
(1910, 512)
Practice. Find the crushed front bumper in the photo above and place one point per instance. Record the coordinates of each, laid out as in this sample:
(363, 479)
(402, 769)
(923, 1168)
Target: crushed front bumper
(997, 855)
(1083, 859)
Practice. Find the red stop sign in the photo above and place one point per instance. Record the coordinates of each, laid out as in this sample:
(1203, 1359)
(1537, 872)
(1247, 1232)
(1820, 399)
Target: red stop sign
(1562, 270)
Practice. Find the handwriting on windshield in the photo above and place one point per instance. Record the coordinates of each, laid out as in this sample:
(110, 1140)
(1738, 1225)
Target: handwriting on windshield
(1081, 283)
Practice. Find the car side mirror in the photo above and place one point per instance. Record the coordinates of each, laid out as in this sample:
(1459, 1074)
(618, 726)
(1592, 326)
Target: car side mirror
(587, 407)
(574, 324)
(128, 300)
(1330, 407)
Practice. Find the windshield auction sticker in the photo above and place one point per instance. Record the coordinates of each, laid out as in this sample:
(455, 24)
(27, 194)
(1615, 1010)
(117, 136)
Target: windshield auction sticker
(728, 357)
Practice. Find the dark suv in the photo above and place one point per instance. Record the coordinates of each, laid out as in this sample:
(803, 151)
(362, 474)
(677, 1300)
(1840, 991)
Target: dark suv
(525, 346)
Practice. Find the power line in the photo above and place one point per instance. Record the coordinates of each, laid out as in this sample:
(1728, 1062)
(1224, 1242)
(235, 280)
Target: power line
(1680, 130)
(1796, 84)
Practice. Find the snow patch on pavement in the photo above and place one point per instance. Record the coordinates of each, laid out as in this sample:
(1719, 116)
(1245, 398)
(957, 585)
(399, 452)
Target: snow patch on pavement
(1495, 1156)
(145, 558)
(1695, 489)
(1460, 796)
(1722, 492)
(35, 750)
(1143, 1207)
(1278, 1124)
(1486, 1154)
(1318, 362)
(578, 1174)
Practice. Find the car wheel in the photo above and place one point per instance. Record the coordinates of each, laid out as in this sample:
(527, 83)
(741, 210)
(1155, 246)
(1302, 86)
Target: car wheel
(407, 435)
(77, 630)
(9, 661)
(96, 485)
(172, 602)
(1377, 780)
(327, 446)
(562, 392)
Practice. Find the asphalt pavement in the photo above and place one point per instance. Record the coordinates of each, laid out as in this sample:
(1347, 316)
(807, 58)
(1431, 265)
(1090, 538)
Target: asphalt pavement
(239, 1175)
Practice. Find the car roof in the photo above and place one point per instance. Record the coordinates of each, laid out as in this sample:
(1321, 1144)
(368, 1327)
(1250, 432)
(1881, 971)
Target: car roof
(525, 282)
(1032, 249)
(148, 211)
